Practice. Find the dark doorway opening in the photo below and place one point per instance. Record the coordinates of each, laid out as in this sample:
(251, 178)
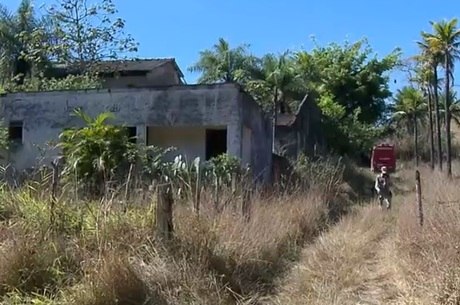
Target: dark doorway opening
(132, 134)
(15, 131)
(216, 142)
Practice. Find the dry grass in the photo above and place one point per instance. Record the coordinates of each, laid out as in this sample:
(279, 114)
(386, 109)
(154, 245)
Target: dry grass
(375, 257)
(98, 253)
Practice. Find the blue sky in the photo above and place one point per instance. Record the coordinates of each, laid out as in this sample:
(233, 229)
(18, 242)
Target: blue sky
(181, 28)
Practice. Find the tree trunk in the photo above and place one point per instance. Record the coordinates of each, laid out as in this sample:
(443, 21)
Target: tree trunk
(415, 140)
(430, 117)
(447, 117)
(437, 116)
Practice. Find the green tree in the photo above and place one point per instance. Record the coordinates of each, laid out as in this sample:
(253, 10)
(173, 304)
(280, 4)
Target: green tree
(225, 64)
(352, 86)
(445, 40)
(20, 34)
(432, 59)
(423, 78)
(351, 74)
(274, 84)
(87, 33)
(410, 107)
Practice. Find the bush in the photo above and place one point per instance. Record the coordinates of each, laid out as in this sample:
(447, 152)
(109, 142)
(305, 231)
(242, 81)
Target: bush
(96, 153)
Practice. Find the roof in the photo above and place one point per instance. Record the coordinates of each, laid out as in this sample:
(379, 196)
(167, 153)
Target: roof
(130, 65)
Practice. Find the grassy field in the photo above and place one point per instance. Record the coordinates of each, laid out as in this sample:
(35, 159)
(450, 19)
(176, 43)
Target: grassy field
(291, 250)
(107, 252)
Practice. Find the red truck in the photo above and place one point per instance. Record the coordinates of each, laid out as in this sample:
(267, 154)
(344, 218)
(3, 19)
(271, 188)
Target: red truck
(383, 155)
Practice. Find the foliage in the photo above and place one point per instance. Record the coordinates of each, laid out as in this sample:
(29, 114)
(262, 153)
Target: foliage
(409, 106)
(4, 141)
(70, 82)
(350, 82)
(97, 152)
(70, 32)
(352, 76)
(224, 64)
(87, 33)
(326, 172)
(225, 168)
(21, 42)
(274, 86)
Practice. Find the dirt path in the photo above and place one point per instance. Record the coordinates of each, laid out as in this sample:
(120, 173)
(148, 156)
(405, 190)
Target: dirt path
(348, 264)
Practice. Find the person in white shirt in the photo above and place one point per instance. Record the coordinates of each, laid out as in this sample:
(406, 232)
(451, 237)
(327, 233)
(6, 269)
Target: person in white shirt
(382, 186)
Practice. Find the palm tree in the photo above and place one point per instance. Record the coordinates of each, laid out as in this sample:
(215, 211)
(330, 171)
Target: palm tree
(224, 64)
(446, 41)
(432, 59)
(424, 79)
(16, 31)
(410, 107)
(274, 84)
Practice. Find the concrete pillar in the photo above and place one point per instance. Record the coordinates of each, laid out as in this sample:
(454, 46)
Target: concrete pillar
(141, 133)
(234, 139)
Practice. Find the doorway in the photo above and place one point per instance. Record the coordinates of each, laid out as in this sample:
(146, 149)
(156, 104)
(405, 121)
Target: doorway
(216, 142)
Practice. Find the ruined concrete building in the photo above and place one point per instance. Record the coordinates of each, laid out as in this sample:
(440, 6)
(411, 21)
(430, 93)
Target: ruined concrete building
(300, 132)
(152, 100)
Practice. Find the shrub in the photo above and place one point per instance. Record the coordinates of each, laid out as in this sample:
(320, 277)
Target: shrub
(96, 153)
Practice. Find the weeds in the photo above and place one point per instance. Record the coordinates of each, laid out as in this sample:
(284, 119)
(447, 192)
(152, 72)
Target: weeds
(106, 252)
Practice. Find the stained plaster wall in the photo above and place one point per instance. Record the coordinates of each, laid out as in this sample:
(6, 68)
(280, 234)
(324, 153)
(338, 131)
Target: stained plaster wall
(45, 114)
(260, 137)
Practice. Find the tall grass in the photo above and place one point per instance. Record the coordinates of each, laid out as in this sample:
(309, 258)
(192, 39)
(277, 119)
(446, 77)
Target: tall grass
(375, 257)
(106, 252)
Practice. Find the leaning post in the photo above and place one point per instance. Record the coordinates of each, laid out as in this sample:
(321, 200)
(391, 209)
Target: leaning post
(164, 211)
(418, 196)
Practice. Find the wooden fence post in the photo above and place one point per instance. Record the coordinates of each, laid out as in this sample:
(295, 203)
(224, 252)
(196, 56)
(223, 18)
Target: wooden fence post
(197, 198)
(418, 190)
(164, 211)
(248, 188)
(54, 186)
(246, 204)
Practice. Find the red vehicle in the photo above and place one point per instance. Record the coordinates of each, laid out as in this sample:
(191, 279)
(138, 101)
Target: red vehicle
(383, 155)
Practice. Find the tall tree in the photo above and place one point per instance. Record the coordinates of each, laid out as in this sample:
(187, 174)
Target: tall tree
(445, 40)
(273, 84)
(225, 64)
(432, 58)
(18, 41)
(424, 79)
(410, 107)
(88, 33)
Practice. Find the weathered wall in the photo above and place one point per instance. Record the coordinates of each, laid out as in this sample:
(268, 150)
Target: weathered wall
(261, 137)
(45, 114)
(190, 142)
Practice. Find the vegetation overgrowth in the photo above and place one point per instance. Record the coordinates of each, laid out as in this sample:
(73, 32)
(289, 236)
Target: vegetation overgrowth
(94, 241)
(76, 251)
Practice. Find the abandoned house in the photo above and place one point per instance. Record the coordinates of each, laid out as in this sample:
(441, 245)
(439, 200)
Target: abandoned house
(199, 120)
(150, 97)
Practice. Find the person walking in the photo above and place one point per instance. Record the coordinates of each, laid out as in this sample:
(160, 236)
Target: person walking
(382, 186)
